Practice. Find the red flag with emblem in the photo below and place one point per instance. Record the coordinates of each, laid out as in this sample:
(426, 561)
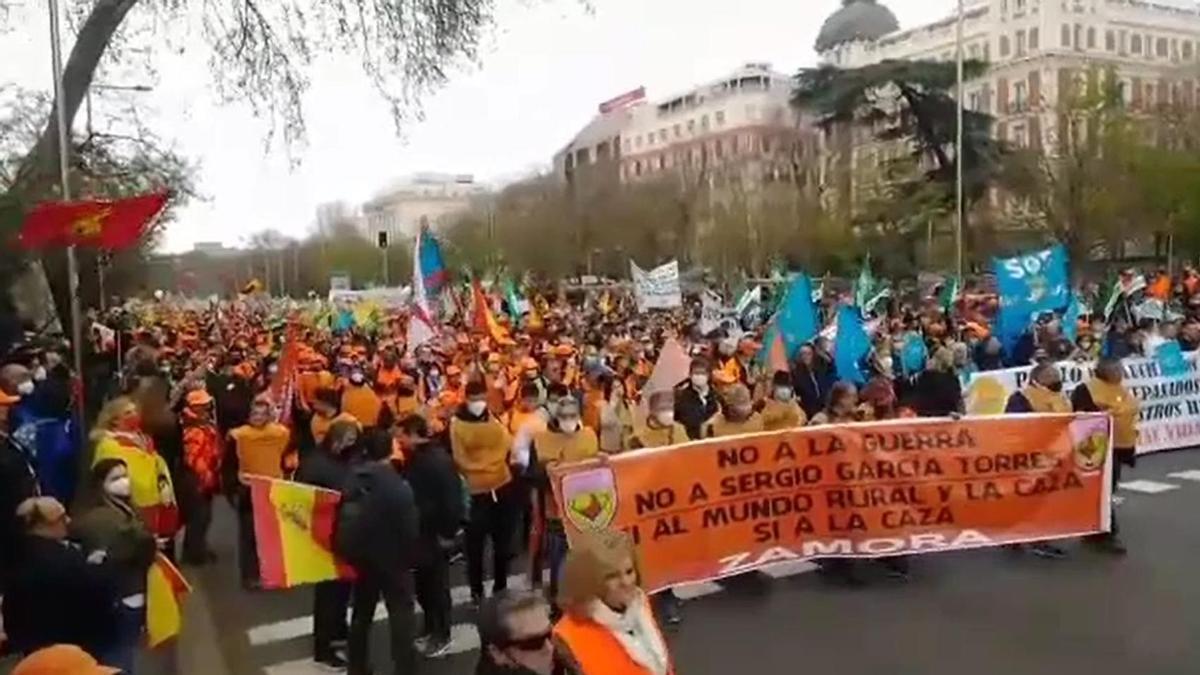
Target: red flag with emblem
(113, 225)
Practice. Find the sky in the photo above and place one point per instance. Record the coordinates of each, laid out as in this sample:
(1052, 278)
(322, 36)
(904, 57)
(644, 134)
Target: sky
(543, 70)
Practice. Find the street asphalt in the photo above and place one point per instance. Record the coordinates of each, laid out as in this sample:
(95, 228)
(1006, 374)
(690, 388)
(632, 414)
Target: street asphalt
(980, 612)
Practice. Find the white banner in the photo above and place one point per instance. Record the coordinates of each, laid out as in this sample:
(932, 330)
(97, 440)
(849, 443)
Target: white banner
(712, 310)
(1170, 416)
(658, 288)
(388, 297)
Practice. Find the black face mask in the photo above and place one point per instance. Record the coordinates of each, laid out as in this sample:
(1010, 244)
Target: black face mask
(1055, 387)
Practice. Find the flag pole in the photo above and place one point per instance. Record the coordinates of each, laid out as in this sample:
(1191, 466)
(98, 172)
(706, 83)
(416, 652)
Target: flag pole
(959, 214)
(64, 150)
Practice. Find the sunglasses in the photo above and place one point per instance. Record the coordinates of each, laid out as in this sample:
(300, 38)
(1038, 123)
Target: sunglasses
(530, 644)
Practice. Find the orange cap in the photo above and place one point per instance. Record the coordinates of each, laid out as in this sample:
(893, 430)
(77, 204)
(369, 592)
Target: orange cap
(453, 370)
(62, 660)
(199, 397)
(8, 399)
(528, 364)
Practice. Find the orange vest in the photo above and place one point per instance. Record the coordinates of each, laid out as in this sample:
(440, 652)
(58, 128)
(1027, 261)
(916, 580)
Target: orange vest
(597, 650)
(363, 404)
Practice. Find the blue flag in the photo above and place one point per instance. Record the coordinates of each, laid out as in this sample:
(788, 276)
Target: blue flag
(913, 354)
(852, 345)
(1170, 359)
(796, 320)
(1029, 284)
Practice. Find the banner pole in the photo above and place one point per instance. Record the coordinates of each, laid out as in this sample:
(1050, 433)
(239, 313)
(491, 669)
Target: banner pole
(64, 150)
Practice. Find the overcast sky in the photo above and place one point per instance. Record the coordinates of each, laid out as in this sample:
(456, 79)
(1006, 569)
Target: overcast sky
(542, 73)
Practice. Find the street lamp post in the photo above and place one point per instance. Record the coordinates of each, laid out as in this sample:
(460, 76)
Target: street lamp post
(959, 210)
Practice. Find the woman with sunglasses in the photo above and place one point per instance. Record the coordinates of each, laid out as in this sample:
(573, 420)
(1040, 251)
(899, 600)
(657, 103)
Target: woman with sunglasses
(607, 626)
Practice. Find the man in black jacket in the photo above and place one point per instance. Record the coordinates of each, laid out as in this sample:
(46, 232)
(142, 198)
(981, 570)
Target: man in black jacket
(695, 401)
(329, 467)
(377, 532)
(56, 594)
(439, 496)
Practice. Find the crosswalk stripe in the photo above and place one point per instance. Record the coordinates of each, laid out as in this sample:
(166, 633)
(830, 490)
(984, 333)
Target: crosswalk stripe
(290, 629)
(1148, 486)
(788, 568)
(464, 637)
(1192, 475)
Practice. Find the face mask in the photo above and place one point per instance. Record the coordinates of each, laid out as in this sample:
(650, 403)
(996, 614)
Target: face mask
(273, 369)
(25, 388)
(783, 393)
(568, 425)
(699, 380)
(1055, 387)
(39, 374)
(476, 408)
(886, 364)
(665, 417)
(119, 487)
(741, 411)
(357, 378)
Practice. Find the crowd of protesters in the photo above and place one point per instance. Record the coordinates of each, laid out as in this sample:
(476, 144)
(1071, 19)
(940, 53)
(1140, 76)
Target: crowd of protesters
(445, 446)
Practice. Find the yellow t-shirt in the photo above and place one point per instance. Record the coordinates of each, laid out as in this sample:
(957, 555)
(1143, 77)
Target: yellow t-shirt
(260, 450)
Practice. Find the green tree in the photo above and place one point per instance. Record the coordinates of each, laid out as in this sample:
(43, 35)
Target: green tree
(906, 112)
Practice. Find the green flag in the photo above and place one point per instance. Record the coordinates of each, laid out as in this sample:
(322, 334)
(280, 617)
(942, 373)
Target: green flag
(1109, 301)
(864, 288)
(949, 294)
(516, 304)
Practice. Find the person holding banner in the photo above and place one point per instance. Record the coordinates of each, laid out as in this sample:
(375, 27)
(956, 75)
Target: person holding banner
(659, 428)
(1042, 395)
(1105, 392)
(737, 415)
(607, 626)
(565, 440)
(695, 402)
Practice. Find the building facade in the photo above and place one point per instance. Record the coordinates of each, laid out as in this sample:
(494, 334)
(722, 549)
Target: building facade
(400, 209)
(1041, 53)
(739, 125)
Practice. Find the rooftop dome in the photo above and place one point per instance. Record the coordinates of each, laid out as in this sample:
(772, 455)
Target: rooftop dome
(856, 20)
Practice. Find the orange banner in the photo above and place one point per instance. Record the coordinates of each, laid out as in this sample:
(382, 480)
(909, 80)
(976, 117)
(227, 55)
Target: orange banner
(714, 508)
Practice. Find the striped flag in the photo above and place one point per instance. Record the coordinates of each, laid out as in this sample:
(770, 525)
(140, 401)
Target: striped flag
(483, 319)
(165, 590)
(293, 524)
(429, 274)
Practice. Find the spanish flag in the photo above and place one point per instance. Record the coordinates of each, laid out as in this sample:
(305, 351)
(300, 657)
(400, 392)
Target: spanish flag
(165, 590)
(293, 524)
(485, 321)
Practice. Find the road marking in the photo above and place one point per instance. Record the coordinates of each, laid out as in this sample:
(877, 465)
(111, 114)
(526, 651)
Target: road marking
(290, 629)
(1193, 475)
(788, 568)
(464, 637)
(1148, 486)
(697, 590)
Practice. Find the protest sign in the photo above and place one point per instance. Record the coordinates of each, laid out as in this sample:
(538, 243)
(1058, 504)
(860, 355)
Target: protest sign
(712, 310)
(848, 491)
(658, 288)
(1170, 415)
(387, 297)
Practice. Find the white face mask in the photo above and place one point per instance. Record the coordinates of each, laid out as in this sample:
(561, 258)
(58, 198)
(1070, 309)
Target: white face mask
(783, 393)
(357, 378)
(119, 487)
(25, 388)
(665, 417)
(476, 408)
(885, 364)
(39, 374)
(568, 425)
(699, 381)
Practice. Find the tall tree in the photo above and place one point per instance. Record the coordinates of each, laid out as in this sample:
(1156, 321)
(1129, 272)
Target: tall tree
(907, 111)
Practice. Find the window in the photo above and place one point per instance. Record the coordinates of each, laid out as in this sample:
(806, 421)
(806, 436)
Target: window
(637, 142)
(704, 123)
(1078, 37)
(1161, 48)
(691, 126)
(973, 101)
(662, 161)
(1020, 137)
(1066, 35)
(628, 146)
(1091, 38)
(973, 52)
(766, 144)
(637, 168)
(1187, 50)
(1019, 6)
(719, 149)
(1020, 96)
(1034, 39)
(678, 131)
(1149, 94)
(720, 117)
(1135, 44)
(1003, 46)
(1020, 43)
(1110, 41)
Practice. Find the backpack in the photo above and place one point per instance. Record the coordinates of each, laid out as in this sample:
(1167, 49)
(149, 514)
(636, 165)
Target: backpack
(352, 531)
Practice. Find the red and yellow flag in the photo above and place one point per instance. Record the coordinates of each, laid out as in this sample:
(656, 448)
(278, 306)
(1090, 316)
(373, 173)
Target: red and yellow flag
(293, 524)
(113, 225)
(165, 590)
(485, 321)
